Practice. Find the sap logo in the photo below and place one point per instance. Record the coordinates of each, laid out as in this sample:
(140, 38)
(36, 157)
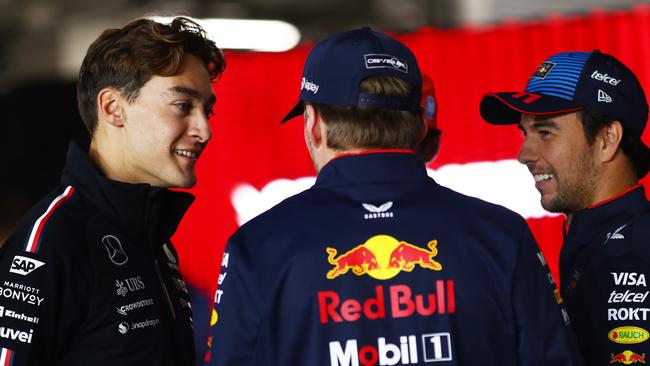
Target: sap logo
(629, 278)
(604, 97)
(605, 78)
(309, 86)
(377, 212)
(24, 266)
(374, 61)
(435, 347)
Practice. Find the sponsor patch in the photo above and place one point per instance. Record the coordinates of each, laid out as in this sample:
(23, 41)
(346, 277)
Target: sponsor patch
(4, 312)
(628, 279)
(19, 292)
(627, 357)
(125, 309)
(628, 335)
(115, 251)
(377, 61)
(403, 350)
(16, 335)
(377, 212)
(605, 78)
(24, 265)
(543, 70)
(382, 257)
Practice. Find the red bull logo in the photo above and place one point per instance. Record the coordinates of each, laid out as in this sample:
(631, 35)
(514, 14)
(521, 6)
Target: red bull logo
(382, 257)
(627, 357)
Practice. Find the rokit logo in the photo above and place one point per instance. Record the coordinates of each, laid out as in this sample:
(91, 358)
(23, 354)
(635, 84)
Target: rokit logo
(20, 316)
(24, 265)
(434, 347)
(375, 61)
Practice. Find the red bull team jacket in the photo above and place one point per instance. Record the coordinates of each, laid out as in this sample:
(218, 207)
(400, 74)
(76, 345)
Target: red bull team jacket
(604, 271)
(376, 264)
(90, 277)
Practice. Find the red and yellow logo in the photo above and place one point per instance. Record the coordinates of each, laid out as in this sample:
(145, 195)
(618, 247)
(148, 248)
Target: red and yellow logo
(382, 257)
(627, 357)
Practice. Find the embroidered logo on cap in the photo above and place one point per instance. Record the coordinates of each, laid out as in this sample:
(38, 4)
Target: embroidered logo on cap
(376, 61)
(604, 97)
(543, 70)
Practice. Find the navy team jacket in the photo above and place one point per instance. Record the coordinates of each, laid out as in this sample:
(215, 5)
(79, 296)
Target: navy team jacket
(604, 271)
(377, 264)
(90, 277)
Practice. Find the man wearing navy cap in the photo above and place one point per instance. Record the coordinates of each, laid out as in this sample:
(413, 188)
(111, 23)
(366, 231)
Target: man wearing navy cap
(376, 264)
(582, 115)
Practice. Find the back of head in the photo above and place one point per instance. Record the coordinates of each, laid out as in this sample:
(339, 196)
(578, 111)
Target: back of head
(126, 58)
(367, 87)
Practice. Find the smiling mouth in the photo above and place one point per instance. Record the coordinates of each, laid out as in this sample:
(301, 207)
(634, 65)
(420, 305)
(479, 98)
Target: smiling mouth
(187, 154)
(542, 177)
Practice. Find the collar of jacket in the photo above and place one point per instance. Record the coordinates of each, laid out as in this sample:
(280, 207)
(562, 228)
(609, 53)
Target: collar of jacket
(593, 220)
(372, 166)
(148, 213)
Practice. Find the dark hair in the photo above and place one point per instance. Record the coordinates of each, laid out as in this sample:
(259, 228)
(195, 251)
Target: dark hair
(128, 57)
(353, 127)
(636, 151)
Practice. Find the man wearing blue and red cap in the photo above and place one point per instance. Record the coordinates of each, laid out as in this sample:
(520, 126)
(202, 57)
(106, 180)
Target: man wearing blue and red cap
(582, 115)
(376, 264)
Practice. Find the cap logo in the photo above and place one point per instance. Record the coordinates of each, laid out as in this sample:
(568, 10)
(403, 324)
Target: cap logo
(605, 78)
(309, 86)
(603, 97)
(543, 70)
(377, 61)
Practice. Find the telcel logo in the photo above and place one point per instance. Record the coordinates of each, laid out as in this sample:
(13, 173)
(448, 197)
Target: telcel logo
(434, 347)
(24, 265)
(605, 78)
(628, 335)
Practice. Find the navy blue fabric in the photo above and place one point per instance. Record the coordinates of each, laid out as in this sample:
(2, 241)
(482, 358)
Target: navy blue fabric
(605, 259)
(310, 281)
(570, 81)
(336, 66)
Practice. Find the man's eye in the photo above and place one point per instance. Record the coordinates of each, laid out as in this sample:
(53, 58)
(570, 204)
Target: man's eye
(183, 106)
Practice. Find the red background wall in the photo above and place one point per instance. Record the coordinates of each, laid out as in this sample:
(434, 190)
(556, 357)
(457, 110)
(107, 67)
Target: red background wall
(249, 145)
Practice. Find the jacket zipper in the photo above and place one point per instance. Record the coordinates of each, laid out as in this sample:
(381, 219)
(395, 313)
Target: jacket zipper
(164, 287)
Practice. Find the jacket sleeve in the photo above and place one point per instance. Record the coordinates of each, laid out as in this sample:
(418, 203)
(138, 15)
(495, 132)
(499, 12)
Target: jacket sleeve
(237, 310)
(544, 334)
(43, 294)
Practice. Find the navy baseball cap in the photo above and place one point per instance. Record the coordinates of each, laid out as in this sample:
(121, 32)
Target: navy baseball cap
(336, 66)
(571, 81)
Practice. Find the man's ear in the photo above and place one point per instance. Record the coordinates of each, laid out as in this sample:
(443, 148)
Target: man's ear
(110, 103)
(610, 140)
(314, 126)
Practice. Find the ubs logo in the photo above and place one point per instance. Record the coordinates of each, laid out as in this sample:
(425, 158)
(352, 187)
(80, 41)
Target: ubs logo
(114, 249)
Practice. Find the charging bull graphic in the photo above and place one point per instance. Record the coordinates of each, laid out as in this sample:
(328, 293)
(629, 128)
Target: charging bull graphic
(382, 257)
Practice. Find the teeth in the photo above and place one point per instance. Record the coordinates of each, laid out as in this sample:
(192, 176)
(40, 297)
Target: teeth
(189, 154)
(542, 177)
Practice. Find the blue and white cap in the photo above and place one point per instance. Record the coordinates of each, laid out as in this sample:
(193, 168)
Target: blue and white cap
(337, 65)
(571, 81)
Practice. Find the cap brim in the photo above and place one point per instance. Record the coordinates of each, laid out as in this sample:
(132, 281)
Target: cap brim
(295, 112)
(504, 108)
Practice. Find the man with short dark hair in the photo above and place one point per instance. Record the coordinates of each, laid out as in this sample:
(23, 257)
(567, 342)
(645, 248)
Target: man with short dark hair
(90, 276)
(376, 264)
(582, 115)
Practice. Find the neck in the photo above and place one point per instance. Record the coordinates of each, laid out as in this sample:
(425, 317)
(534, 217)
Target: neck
(105, 162)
